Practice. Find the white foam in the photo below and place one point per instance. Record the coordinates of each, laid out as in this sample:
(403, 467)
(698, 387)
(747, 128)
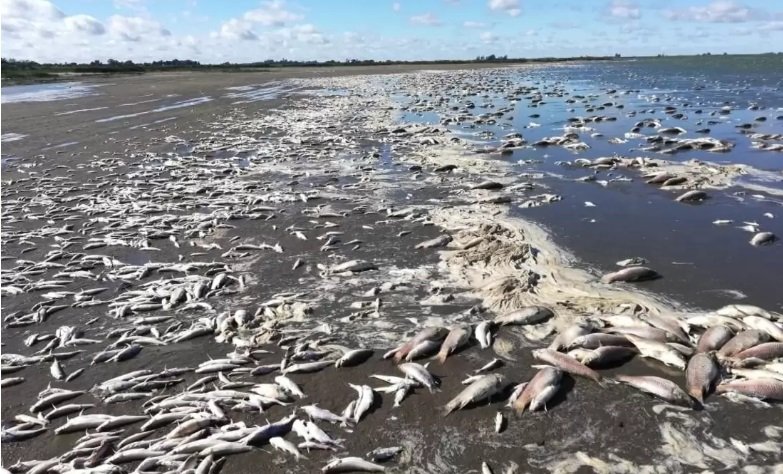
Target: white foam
(11, 137)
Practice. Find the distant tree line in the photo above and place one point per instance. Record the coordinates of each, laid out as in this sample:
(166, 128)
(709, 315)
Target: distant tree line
(20, 68)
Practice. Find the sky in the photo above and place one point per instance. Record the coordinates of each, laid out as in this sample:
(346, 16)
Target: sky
(213, 31)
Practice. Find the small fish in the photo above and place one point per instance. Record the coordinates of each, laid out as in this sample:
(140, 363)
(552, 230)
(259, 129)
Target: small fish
(500, 422)
(57, 370)
(285, 446)
(350, 464)
(383, 454)
(420, 374)
(491, 365)
(483, 334)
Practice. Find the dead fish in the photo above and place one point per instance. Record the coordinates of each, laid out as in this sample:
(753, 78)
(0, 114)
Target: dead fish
(763, 351)
(57, 370)
(440, 241)
(763, 324)
(669, 324)
(457, 337)
(566, 364)
(422, 349)
(500, 422)
(419, 373)
(518, 389)
(541, 388)
(598, 339)
(631, 262)
(604, 355)
(350, 464)
(491, 365)
(384, 454)
(527, 315)
(692, 196)
(763, 238)
(485, 387)
(660, 351)
(365, 401)
(714, 338)
(674, 181)
(307, 367)
(743, 340)
(290, 386)
(765, 389)
(14, 434)
(658, 178)
(430, 333)
(353, 266)
(662, 388)
(67, 410)
(10, 382)
(701, 374)
(402, 391)
(566, 337)
(354, 357)
(53, 399)
(285, 446)
(317, 413)
(631, 274)
(483, 334)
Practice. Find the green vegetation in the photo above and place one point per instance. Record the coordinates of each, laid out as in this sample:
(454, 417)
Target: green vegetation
(30, 71)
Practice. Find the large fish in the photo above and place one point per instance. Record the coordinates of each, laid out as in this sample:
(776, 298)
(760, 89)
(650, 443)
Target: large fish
(566, 364)
(426, 334)
(701, 374)
(541, 388)
(458, 337)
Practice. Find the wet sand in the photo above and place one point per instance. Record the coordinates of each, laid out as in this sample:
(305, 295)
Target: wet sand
(365, 180)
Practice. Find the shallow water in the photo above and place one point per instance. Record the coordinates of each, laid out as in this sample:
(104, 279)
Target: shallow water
(46, 92)
(702, 264)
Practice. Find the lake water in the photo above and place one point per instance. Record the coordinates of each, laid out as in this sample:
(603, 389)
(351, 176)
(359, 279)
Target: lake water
(46, 92)
(702, 264)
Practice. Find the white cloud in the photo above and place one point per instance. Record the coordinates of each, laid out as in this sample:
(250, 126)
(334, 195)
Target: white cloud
(474, 24)
(510, 7)
(134, 28)
(488, 37)
(309, 34)
(84, 24)
(272, 13)
(31, 10)
(624, 9)
(720, 11)
(396, 6)
(427, 19)
(234, 29)
(771, 26)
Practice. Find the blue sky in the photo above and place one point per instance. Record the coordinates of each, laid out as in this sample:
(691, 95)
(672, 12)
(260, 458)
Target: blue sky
(249, 30)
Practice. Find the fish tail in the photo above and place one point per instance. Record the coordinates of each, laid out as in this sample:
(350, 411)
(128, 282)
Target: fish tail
(441, 357)
(697, 394)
